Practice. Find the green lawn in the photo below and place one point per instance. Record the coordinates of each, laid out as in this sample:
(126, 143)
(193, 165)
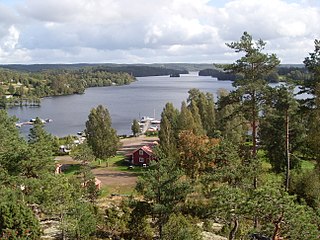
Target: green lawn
(111, 162)
(118, 163)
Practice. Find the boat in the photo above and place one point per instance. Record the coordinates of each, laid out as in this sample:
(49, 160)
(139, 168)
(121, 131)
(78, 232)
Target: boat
(32, 120)
(155, 122)
(145, 119)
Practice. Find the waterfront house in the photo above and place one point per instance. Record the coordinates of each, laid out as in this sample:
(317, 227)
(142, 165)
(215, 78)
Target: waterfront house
(143, 155)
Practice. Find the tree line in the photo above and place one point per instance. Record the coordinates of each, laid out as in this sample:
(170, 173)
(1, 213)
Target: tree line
(279, 74)
(25, 86)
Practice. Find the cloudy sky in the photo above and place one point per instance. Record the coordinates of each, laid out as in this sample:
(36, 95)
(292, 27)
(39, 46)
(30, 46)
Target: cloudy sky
(152, 31)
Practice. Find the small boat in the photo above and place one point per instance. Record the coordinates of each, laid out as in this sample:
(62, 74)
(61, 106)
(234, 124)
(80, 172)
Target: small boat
(32, 120)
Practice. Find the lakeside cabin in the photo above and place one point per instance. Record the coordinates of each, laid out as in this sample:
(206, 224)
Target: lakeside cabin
(143, 155)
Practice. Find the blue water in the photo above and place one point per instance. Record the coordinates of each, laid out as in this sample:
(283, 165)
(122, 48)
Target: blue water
(145, 97)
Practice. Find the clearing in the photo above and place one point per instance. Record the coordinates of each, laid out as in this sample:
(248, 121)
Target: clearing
(117, 178)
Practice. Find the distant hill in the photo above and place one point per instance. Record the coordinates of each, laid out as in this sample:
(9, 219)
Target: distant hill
(283, 72)
(219, 74)
(143, 70)
(136, 70)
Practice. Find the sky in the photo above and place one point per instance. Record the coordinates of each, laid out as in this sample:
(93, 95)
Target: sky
(153, 31)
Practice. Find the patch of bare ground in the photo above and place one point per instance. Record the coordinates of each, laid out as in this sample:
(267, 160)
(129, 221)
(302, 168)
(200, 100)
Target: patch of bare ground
(116, 181)
(111, 177)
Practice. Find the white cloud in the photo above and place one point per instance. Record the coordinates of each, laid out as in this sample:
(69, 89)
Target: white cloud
(153, 30)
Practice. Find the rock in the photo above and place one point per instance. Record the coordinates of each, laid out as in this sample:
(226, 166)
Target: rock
(217, 227)
(212, 236)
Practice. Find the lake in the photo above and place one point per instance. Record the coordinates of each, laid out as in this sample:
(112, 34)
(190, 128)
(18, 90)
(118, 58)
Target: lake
(145, 97)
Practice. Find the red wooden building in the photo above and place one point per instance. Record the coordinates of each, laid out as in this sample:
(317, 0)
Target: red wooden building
(142, 155)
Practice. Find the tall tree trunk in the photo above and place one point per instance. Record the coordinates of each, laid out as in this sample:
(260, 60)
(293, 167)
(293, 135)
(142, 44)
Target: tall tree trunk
(234, 230)
(287, 151)
(254, 148)
(254, 136)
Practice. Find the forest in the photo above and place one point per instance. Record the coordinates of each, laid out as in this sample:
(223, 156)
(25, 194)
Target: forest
(279, 74)
(243, 167)
(26, 88)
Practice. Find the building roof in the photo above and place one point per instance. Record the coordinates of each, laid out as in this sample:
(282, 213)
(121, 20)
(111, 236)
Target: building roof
(146, 148)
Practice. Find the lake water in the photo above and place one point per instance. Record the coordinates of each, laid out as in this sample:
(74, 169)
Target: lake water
(145, 97)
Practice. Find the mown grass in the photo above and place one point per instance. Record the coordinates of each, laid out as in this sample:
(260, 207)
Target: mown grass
(111, 162)
(118, 163)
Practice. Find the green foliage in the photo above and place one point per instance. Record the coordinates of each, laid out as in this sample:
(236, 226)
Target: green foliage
(135, 127)
(101, 137)
(17, 221)
(12, 146)
(80, 221)
(312, 63)
(198, 128)
(206, 109)
(168, 130)
(117, 218)
(281, 109)
(252, 67)
(280, 215)
(165, 188)
(313, 140)
(181, 228)
(39, 155)
(306, 185)
(88, 182)
(82, 152)
(138, 223)
(230, 119)
(185, 119)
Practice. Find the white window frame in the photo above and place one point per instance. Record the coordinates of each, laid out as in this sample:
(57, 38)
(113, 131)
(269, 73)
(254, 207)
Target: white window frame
(141, 152)
(141, 159)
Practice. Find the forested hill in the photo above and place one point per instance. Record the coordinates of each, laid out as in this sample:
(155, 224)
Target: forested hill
(25, 88)
(141, 70)
(282, 73)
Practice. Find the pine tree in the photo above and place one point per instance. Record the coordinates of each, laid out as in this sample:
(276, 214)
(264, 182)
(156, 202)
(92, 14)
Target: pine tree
(12, 146)
(39, 158)
(281, 131)
(101, 137)
(230, 119)
(312, 63)
(252, 67)
(164, 187)
(181, 228)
